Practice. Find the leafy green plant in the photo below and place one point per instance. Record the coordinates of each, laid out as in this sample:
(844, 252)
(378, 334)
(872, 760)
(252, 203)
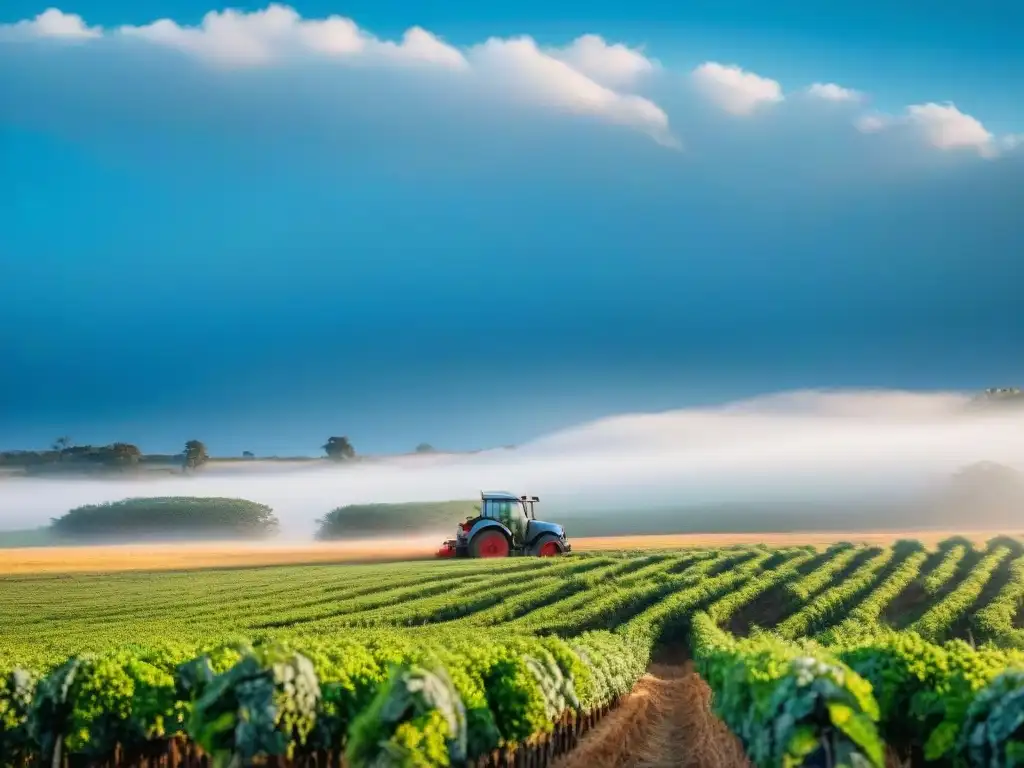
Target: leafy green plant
(788, 705)
(266, 704)
(993, 731)
(416, 719)
(17, 689)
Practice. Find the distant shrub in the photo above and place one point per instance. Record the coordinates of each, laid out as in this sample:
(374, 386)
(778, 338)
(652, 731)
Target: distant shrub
(176, 516)
(373, 519)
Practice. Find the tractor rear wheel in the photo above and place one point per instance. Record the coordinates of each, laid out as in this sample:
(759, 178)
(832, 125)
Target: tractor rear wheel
(489, 544)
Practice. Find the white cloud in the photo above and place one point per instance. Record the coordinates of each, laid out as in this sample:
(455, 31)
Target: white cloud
(524, 72)
(246, 39)
(734, 90)
(1011, 142)
(578, 79)
(54, 23)
(616, 65)
(833, 92)
(589, 76)
(946, 127)
(942, 126)
(873, 123)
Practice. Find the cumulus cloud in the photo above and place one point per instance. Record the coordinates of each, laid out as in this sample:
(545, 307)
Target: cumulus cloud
(942, 126)
(524, 72)
(590, 77)
(833, 92)
(580, 79)
(615, 65)
(736, 91)
(277, 32)
(53, 23)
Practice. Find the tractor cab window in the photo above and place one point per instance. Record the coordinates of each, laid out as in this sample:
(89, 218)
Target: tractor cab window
(510, 513)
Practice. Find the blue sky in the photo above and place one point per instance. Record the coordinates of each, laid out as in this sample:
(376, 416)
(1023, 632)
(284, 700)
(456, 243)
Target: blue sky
(272, 229)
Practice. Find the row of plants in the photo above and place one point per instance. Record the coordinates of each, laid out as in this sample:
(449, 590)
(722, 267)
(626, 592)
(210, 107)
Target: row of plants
(866, 614)
(788, 704)
(937, 620)
(842, 555)
(384, 698)
(823, 608)
(950, 704)
(806, 703)
(945, 570)
(995, 620)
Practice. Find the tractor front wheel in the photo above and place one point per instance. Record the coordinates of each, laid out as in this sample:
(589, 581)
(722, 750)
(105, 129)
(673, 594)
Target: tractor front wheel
(547, 547)
(489, 544)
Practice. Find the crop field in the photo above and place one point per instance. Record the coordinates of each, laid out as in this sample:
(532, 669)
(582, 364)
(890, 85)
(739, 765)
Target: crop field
(851, 655)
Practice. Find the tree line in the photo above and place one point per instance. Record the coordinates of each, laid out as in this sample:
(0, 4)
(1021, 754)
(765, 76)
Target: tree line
(336, 448)
(193, 455)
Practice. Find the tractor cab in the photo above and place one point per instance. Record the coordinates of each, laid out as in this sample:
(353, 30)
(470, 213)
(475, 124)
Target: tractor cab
(506, 525)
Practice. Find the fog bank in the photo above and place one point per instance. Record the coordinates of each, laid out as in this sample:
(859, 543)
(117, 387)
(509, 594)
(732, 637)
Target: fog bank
(796, 448)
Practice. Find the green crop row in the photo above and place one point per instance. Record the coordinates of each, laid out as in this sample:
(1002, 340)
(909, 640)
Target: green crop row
(802, 589)
(995, 620)
(385, 698)
(946, 703)
(944, 571)
(864, 617)
(787, 705)
(825, 607)
(937, 620)
(726, 606)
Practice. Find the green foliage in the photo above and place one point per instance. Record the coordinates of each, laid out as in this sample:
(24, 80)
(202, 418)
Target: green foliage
(937, 620)
(995, 620)
(864, 617)
(943, 572)
(265, 704)
(17, 689)
(903, 671)
(801, 589)
(416, 719)
(828, 605)
(168, 516)
(787, 705)
(993, 731)
(423, 664)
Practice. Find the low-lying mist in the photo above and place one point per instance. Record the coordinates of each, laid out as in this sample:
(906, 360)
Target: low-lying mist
(785, 461)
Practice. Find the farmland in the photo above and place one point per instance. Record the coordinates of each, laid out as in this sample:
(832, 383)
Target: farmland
(837, 655)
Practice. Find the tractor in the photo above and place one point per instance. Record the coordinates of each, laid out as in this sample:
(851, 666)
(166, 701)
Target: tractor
(506, 526)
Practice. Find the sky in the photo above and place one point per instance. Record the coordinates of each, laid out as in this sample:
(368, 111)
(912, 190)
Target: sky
(475, 225)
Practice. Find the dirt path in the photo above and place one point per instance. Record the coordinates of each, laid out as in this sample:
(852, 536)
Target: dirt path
(666, 721)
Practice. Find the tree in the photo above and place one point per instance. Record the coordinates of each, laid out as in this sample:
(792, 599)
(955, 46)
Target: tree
(123, 454)
(60, 445)
(195, 454)
(248, 455)
(424, 448)
(339, 448)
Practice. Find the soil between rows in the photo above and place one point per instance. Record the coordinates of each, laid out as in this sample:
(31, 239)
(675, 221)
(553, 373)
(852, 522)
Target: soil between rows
(666, 721)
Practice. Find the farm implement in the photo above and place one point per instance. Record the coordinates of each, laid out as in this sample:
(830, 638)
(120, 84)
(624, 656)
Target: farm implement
(507, 525)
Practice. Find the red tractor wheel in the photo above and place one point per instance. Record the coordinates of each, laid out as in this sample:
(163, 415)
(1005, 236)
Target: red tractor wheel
(489, 544)
(549, 549)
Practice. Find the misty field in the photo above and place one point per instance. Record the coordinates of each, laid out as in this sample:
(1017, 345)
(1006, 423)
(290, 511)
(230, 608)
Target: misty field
(791, 651)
